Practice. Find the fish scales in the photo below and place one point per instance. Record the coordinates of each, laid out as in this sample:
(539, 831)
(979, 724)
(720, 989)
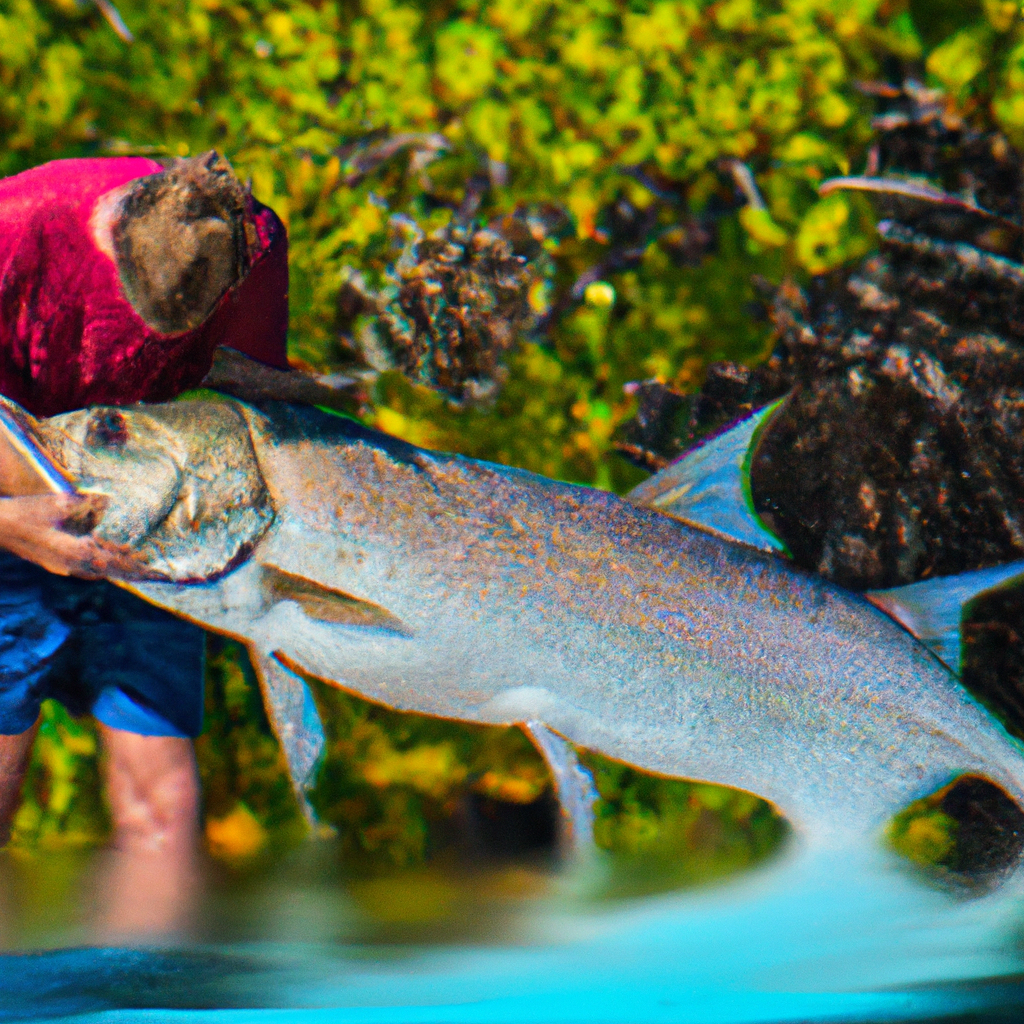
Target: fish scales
(504, 597)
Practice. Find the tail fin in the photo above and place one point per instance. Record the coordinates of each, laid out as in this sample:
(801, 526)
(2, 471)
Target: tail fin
(932, 609)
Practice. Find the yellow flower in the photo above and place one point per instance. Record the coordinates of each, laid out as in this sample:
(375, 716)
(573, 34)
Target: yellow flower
(236, 836)
(600, 294)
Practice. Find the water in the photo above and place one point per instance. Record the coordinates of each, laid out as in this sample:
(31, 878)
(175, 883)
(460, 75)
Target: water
(816, 936)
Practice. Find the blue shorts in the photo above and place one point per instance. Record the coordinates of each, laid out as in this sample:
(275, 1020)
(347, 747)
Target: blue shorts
(97, 649)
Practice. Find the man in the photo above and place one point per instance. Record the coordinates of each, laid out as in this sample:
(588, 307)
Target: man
(118, 280)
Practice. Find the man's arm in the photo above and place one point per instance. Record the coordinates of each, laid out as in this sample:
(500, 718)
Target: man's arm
(236, 374)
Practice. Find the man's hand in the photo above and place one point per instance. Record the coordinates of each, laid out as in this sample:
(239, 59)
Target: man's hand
(53, 530)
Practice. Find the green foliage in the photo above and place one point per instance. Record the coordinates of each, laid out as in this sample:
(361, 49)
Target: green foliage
(923, 833)
(62, 806)
(584, 105)
(666, 832)
(392, 782)
(557, 100)
(242, 767)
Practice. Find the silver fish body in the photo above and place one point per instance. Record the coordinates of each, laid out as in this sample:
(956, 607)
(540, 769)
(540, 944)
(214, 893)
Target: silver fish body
(443, 585)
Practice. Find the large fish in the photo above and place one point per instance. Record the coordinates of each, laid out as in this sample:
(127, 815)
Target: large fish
(444, 585)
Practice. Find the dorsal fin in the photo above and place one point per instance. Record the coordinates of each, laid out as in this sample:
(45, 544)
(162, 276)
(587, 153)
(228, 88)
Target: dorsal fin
(709, 487)
(932, 609)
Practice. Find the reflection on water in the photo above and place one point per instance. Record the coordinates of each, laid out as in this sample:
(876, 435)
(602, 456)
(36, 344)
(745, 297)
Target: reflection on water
(815, 936)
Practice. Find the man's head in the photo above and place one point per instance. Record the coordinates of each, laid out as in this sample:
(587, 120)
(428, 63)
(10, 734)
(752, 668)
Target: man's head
(181, 239)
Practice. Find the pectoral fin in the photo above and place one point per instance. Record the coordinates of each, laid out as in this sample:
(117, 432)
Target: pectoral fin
(327, 604)
(709, 487)
(294, 719)
(932, 609)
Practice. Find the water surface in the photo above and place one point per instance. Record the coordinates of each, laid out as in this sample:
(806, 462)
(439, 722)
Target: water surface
(829, 936)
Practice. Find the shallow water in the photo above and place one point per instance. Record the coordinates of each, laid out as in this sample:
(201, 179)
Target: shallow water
(815, 936)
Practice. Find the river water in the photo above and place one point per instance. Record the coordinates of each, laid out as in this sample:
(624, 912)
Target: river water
(851, 935)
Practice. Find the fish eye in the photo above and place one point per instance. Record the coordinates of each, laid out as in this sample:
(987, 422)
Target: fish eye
(107, 428)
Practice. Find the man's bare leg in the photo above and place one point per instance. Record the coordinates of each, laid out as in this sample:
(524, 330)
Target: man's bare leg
(14, 755)
(150, 879)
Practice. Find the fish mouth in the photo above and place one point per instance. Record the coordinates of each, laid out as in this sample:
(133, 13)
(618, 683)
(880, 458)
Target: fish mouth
(185, 491)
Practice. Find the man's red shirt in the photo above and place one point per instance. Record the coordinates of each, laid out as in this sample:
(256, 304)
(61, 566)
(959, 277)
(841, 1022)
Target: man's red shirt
(68, 335)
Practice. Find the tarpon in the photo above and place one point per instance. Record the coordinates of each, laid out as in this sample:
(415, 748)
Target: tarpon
(440, 584)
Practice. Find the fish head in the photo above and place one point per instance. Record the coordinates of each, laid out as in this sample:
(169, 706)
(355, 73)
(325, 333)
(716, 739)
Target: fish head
(183, 483)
